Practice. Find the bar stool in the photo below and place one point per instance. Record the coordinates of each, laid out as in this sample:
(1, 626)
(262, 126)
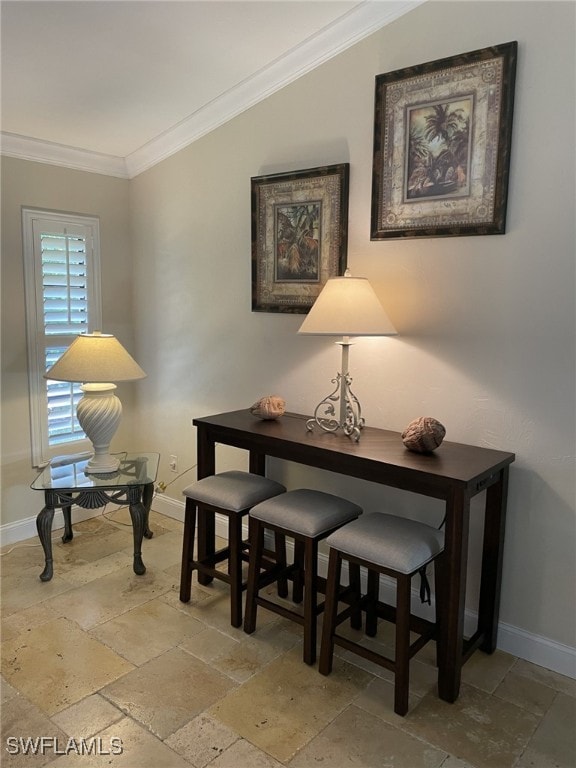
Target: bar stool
(398, 548)
(232, 494)
(307, 516)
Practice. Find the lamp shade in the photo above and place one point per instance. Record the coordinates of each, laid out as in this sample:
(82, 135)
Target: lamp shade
(95, 357)
(347, 306)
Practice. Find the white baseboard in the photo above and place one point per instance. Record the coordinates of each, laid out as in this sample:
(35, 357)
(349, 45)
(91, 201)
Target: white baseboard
(537, 649)
(12, 533)
(534, 648)
(172, 508)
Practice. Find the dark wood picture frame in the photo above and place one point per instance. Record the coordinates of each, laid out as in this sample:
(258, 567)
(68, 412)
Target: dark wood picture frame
(442, 139)
(299, 236)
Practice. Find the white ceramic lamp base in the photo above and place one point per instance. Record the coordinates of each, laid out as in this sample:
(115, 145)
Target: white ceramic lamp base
(99, 413)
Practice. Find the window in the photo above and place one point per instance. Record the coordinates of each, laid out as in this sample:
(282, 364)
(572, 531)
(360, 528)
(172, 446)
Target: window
(62, 281)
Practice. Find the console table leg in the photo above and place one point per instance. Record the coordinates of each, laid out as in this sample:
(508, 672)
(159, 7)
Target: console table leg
(492, 557)
(44, 528)
(454, 596)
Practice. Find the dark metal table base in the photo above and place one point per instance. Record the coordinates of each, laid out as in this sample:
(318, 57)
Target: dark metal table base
(137, 497)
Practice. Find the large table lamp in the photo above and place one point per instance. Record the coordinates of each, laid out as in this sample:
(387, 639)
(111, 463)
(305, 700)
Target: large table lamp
(97, 359)
(347, 306)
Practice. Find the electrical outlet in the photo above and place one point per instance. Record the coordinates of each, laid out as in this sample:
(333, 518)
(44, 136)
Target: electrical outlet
(173, 463)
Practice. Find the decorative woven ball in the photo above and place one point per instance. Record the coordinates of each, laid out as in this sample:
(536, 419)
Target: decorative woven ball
(269, 407)
(423, 435)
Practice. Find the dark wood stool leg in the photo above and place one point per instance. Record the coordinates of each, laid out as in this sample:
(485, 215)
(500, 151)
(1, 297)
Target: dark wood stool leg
(330, 611)
(280, 557)
(206, 541)
(188, 550)
(310, 599)
(402, 653)
(235, 567)
(355, 584)
(256, 536)
(372, 602)
(298, 585)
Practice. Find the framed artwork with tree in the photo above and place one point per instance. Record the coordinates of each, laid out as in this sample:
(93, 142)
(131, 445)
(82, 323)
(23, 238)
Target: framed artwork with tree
(442, 139)
(299, 236)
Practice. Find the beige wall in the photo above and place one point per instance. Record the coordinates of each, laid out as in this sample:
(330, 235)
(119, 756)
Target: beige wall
(486, 324)
(44, 186)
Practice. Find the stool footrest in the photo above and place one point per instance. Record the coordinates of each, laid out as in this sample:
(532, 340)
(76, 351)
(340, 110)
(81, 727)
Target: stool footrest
(366, 653)
(417, 623)
(282, 610)
(272, 572)
(377, 658)
(421, 641)
(346, 614)
(216, 557)
(472, 643)
(426, 630)
(208, 570)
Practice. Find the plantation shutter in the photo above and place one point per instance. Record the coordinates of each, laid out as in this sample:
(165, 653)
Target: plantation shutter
(65, 286)
(67, 303)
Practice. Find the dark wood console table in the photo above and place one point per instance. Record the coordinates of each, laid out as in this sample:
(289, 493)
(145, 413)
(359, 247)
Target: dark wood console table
(454, 473)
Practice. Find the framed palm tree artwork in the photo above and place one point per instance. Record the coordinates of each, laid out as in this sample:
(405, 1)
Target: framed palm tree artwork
(299, 236)
(442, 140)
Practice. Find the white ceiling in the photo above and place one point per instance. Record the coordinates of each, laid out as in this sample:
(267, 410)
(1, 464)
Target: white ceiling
(115, 86)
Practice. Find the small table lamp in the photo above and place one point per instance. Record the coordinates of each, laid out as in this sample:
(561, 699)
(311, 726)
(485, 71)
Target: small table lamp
(347, 306)
(97, 359)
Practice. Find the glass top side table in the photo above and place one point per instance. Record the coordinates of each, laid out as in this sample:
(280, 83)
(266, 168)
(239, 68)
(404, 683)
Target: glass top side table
(65, 482)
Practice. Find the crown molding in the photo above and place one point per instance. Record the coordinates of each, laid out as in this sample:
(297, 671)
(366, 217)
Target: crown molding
(362, 21)
(50, 153)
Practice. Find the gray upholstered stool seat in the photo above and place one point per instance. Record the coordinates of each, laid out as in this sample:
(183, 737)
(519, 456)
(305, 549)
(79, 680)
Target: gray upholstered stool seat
(231, 494)
(398, 548)
(389, 541)
(233, 490)
(306, 512)
(307, 516)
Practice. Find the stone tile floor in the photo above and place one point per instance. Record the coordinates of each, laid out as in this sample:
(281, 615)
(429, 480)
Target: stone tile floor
(101, 667)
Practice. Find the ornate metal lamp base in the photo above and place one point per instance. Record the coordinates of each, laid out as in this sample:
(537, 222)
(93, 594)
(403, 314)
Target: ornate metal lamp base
(350, 419)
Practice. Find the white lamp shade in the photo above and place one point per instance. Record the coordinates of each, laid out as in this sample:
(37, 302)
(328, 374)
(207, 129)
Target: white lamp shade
(348, 306)
(95, 357)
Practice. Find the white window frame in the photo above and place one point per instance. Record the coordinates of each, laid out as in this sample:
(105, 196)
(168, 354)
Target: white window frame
(34, 223)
